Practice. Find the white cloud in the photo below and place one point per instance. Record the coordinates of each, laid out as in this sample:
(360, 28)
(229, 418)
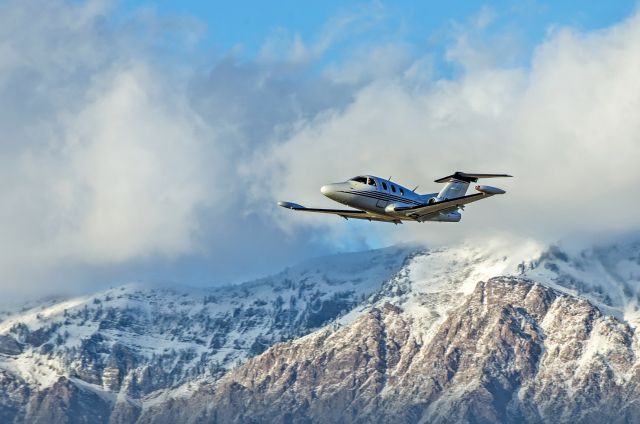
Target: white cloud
(371, 63)
(285, 45)
(116, 162)
(567, 128)
(114, 176)
(134, 174)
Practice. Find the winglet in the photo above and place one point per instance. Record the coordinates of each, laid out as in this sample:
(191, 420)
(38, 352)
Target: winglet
(290, 205)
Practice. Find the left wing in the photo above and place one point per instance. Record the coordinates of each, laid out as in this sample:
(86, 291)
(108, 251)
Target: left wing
(345, 213)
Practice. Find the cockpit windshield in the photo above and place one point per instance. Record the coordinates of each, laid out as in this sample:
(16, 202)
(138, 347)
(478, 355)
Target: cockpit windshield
(364, 180)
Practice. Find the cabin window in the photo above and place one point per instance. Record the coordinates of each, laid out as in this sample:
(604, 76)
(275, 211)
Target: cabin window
(362, 180)
(371, 181)
(401, 191)
(393, 188)
(384, 185)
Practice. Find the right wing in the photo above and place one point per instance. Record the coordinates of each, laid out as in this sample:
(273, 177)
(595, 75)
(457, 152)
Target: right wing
(345, 213)
(426, 211)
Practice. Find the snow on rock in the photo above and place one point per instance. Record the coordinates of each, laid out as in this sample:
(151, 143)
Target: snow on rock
(512, 351)
(133, 341)
(485, 332)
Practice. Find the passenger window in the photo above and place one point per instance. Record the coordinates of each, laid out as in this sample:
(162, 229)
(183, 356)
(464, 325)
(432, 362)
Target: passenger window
(393, 188)
(384, 185)
(401, 191)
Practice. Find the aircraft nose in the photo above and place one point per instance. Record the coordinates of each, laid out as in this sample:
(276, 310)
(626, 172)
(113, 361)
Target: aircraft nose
(326, 189)
(331, 190)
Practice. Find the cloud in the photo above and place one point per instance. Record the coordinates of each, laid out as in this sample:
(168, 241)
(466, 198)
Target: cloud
(566, 126)
(351, 23)
(118, 162)
(123, 157)
(104, 162)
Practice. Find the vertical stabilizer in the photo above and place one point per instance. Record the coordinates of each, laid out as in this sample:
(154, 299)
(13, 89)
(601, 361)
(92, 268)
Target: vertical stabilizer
(452, 189)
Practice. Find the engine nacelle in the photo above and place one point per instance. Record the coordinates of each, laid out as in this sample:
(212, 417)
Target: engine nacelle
(391, 207)
(489, 190)
(447, 217)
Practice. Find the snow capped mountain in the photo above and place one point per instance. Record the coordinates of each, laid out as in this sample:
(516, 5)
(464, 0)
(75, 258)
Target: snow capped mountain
(129, 342)
(471, 333)
(512, 351)
(442, 341)
(608, 276)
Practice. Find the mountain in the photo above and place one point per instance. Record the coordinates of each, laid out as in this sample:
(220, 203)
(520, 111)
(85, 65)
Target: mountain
(126, 344)
(513, 351)
(473, 333)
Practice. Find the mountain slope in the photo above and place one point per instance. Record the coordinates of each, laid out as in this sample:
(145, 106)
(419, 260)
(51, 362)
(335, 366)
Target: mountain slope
(513, 351)
(121, 345)
(491, 332)
(444, 342)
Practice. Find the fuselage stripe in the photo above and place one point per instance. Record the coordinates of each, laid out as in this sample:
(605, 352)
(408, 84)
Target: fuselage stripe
(383, 196)
(387, 195)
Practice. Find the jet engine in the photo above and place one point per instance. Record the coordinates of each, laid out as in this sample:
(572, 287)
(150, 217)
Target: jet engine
(454, 216)
(391, 208)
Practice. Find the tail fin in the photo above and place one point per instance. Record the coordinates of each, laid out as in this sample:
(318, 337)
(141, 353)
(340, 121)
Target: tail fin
(458, 183)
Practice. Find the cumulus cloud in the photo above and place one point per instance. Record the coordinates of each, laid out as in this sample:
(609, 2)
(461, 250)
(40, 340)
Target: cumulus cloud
(566, 126)
(103, 161)
(118, 161)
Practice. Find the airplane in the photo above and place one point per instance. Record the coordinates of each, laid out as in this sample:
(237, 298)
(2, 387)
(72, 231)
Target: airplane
(376, 199)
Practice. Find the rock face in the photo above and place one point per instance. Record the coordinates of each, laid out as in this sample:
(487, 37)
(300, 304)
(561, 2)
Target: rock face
(117, 348)
(514, 351)
(66, 402)
(477, 334)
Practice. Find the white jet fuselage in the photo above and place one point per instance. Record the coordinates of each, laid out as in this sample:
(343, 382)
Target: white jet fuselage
(376, 199)
(373, 196)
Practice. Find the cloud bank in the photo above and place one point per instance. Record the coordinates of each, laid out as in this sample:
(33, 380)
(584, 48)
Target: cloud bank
(118, 162)
(567, 126)
(122, 159)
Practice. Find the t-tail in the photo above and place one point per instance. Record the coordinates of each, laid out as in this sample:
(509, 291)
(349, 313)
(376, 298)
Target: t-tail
(458, 183)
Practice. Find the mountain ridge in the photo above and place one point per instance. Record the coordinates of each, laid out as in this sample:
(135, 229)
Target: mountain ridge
(474, 370)
(147, 355)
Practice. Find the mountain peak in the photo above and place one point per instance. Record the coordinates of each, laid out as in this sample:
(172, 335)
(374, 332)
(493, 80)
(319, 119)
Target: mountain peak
(494, 331)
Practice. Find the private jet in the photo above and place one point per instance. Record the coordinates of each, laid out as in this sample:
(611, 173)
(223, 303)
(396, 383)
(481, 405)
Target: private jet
(376, 199)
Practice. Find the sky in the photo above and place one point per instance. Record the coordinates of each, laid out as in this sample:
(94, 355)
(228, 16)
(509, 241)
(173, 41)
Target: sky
(150, 140)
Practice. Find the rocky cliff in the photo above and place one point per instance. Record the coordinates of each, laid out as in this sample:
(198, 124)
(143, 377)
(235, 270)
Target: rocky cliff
(469, 334)
(513, 351)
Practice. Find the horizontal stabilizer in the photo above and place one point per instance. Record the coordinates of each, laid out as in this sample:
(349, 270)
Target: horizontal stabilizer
(467, 177)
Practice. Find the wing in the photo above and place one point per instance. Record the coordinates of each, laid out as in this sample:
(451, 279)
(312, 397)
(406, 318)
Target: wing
(426, 211)
(345, 213)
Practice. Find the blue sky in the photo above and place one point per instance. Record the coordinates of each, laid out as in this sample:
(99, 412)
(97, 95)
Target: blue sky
(243, 26)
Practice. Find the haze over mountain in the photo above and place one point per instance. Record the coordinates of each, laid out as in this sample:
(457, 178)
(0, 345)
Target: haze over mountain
(461, 334)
